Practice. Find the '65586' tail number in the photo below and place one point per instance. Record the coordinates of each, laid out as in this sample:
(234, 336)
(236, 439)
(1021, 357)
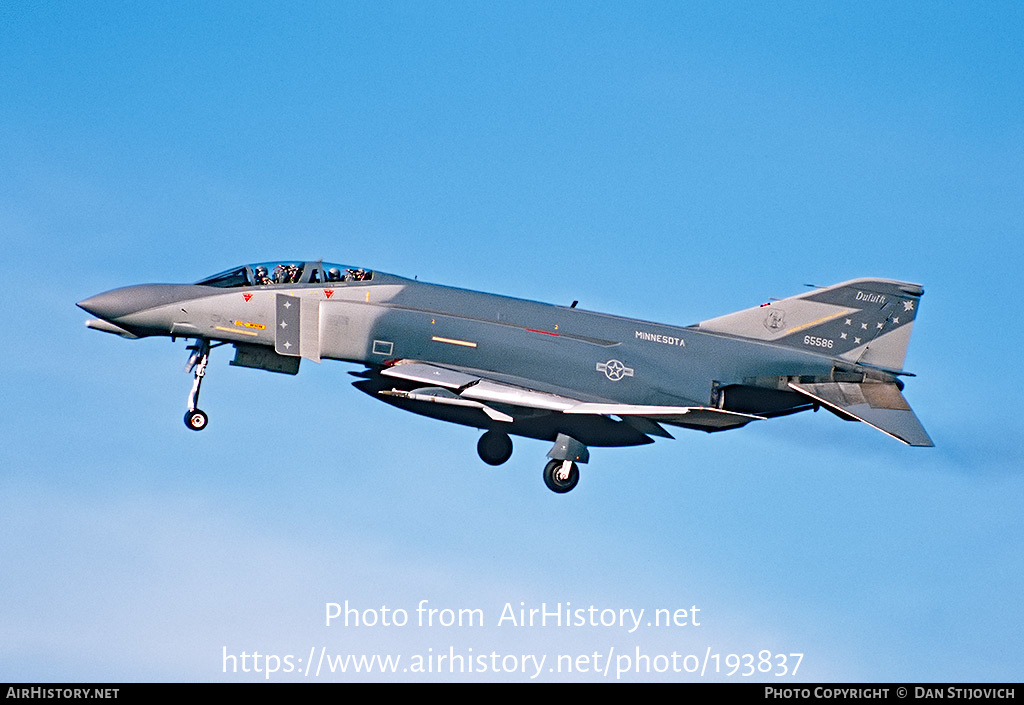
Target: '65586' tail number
(817, 342)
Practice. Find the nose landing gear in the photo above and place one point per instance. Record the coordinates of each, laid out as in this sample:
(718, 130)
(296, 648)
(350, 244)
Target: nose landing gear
(194, 418)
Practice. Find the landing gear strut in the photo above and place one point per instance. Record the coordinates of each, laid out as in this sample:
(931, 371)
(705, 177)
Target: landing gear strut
(194, 418)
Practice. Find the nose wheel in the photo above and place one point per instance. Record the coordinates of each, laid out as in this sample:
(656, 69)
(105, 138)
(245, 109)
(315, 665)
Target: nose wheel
(194, 418)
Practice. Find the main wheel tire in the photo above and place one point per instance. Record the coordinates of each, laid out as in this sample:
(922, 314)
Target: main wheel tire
(554, 483)
(494, 447)
(196, 419)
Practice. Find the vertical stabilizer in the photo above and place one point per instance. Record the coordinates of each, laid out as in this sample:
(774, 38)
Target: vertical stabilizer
(864, 320)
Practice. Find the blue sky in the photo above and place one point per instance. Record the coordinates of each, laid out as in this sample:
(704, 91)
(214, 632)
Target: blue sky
(669, 161)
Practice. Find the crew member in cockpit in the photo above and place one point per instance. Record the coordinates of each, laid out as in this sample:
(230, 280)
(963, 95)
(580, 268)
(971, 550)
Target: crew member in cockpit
(261, 276)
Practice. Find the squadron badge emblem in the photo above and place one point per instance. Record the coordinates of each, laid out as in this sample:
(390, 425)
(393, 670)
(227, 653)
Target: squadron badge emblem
(775, 320)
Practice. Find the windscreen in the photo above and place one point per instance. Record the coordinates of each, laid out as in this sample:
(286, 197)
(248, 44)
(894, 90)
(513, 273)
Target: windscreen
(232, 277)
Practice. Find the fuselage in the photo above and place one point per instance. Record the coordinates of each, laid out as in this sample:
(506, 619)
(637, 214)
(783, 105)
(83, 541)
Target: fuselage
(600, 357)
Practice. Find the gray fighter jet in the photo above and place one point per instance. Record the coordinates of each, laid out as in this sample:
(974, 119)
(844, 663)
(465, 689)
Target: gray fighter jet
(557, 373)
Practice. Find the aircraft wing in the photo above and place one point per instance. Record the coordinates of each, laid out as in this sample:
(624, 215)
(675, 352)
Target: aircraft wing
(461, 387)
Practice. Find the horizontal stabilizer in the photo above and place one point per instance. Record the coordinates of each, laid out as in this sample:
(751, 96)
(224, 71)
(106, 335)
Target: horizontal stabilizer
(879, 405)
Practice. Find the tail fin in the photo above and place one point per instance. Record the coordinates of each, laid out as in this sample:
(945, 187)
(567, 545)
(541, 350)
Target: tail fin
(864, 320)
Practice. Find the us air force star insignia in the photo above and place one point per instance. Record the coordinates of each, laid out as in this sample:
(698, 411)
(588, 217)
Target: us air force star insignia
(614, 370)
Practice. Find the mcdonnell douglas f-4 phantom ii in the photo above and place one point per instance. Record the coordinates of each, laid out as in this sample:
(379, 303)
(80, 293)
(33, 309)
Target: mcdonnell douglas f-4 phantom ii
(509, 366)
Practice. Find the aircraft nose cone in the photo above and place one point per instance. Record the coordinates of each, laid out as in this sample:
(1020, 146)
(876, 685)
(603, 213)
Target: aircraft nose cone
(109, 305)
(118, 303)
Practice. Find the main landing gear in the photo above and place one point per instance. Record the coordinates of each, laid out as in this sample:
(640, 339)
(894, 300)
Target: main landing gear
(561, 473)
(196, 419)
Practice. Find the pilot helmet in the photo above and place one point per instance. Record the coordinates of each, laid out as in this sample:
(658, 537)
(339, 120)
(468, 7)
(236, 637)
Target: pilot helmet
(334, 273)
(261, 271)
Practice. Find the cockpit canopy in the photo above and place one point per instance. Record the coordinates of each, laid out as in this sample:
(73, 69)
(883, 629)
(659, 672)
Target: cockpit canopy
(289, 272)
